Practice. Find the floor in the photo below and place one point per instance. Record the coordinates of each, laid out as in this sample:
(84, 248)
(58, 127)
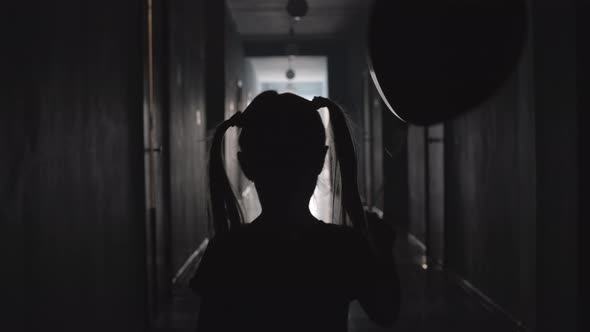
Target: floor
(430, 302)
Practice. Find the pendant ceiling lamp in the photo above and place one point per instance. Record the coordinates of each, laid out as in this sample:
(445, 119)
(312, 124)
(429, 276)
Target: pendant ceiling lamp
(290, 73)
(297, 8)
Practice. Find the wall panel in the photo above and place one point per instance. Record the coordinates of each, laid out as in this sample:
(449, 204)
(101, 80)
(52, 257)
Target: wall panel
(75, 178)
(490, 190)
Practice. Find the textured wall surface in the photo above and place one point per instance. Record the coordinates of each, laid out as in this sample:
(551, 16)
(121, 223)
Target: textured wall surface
(75, 178)
(395, 171)
(205, 64)
(233, 99)
(512, 172)
(582, 84)
(490, 195)
(187, 129)
(511, 190)
(435, 188)
(558, 172)
(416, 146)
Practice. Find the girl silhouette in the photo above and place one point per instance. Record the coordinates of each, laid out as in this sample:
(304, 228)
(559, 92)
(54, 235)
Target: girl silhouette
(287, 270)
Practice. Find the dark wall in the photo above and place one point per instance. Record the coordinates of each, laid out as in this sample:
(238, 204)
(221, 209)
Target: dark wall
(490, 195)
(416, 147)
(582, 8)
(395, 171)
(358, 105)
(511, 182)
(187, 128)
(205, 67)
(216, 21)
(435, 189)
(19, 107)
(558, 172)
(72, 184)
(379, 135)
(237, 83)
(425, 186)
(479, 216)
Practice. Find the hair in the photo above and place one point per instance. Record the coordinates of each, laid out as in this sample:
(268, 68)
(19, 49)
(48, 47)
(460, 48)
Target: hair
(296, 121)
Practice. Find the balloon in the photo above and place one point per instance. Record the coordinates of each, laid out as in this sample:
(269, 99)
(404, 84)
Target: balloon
(434, 59)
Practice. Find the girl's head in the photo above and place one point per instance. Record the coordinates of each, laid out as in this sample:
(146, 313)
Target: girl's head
(282, 150)
(282, 146)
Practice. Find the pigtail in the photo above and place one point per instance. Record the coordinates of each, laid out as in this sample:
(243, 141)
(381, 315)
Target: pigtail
(224, 205)
(346, 167)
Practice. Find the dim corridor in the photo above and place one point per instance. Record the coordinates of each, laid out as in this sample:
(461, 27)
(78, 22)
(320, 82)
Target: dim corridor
(431, 301)
(109, 114)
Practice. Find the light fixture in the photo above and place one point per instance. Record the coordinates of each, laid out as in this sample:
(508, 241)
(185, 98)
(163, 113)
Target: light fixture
(297, 8)
(290, 73)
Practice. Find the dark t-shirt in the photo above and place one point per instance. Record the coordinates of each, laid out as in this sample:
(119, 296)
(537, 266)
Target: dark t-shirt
(264, 277)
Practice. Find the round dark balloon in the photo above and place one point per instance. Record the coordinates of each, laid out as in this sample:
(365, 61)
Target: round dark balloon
(434, 59)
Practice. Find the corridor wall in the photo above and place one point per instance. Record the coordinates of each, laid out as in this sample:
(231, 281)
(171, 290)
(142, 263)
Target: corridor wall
(72, 182)
(205, 67)
(188, 118)
(511, 174)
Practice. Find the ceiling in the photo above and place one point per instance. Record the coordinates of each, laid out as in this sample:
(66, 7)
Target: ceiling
(267, 18)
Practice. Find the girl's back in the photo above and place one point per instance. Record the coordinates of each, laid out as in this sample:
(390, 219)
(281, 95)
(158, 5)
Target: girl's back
(298, 278)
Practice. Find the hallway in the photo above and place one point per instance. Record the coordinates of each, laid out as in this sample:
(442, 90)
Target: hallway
(109, 116)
